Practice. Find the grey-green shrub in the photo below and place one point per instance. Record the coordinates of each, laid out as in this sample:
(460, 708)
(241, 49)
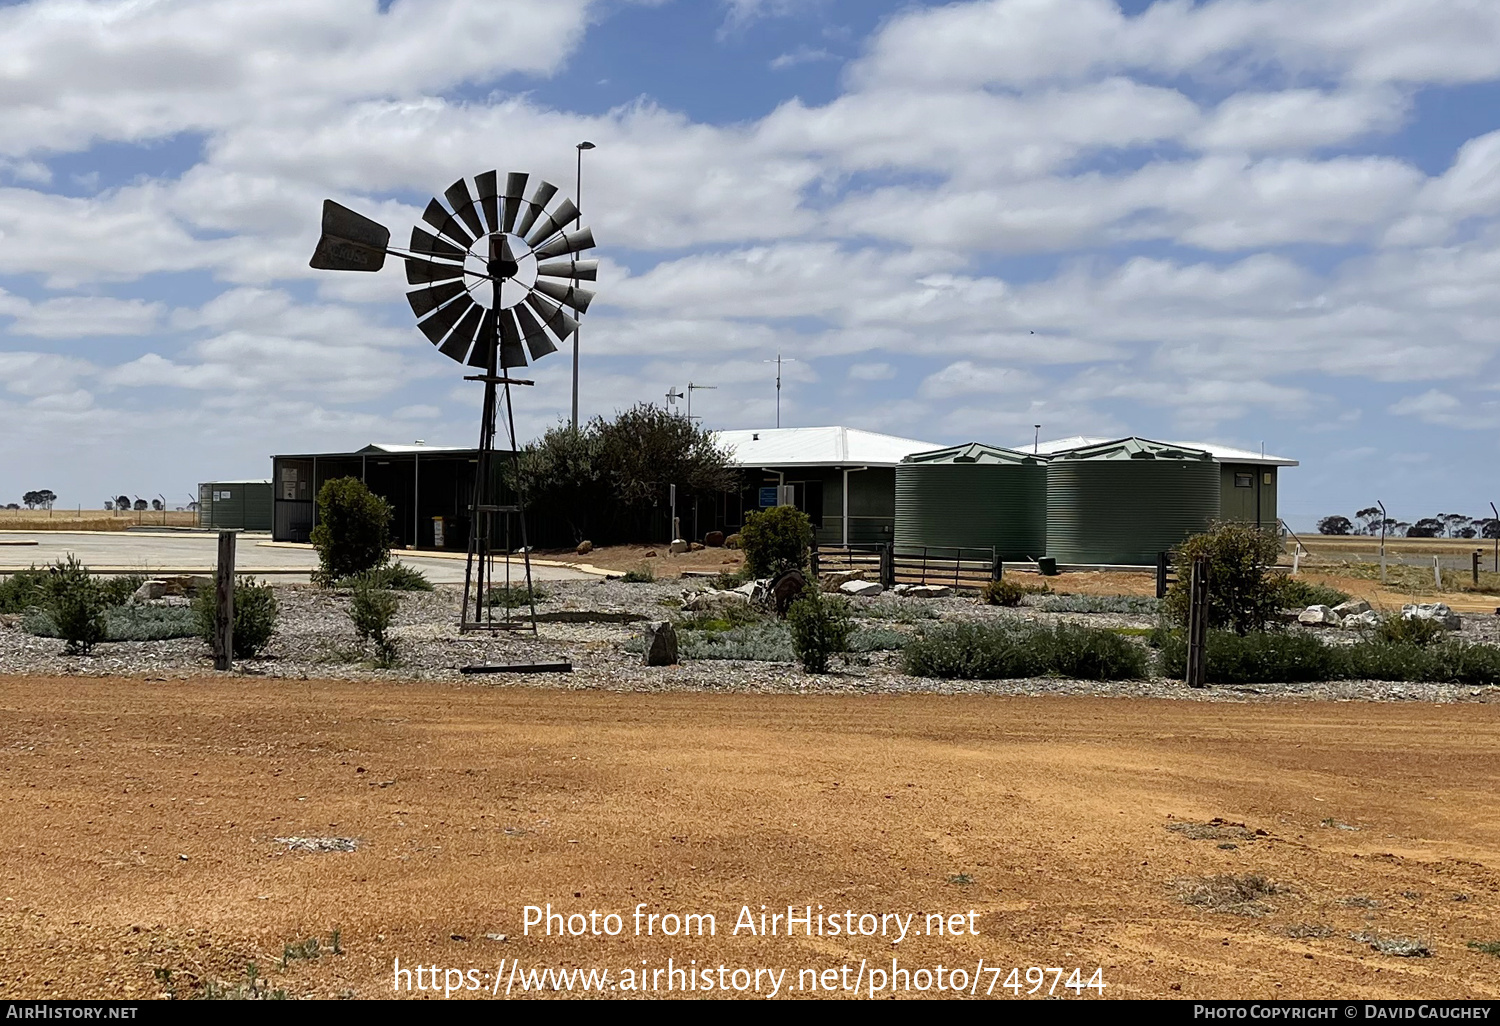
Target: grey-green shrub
(997, 651)
(1259, 657)
(372, 610)
(126, 623)
(1296, 593)
(1400, 630)
(1132, 605)
(22, 590)
(820, 626)
(255, 614)
(391, 577)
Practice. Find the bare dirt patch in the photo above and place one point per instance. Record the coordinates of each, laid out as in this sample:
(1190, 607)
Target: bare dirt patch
(145, 827)
(661, 561)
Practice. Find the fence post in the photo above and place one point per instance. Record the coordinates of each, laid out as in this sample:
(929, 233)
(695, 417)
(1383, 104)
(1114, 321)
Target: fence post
(812, 558)
(1161, 575)
(1476, 566)
(1197, 656)
(997, 568)
(1437, 573)
(888, 565)
(224, 603)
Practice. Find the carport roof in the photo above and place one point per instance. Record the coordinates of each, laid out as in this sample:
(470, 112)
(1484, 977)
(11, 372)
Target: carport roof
(817, 447)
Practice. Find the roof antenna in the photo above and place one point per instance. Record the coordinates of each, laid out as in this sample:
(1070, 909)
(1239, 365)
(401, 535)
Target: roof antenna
(1037, 441)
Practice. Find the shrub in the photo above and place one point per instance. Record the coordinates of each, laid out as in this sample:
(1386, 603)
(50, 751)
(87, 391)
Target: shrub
(23, 590)
(513, 596)
(255, 613)
(1003, 592)
(125, 623)
(372, 610)
(820, 627)
(1241, 594)
(75, 606)
(776, 540)
(1129, 604)
(1295, 593)
(1255, 658)
(642, 574)
(996, 651)
(1399, 630)
(116, 591)
(395, 576)
(354, 530)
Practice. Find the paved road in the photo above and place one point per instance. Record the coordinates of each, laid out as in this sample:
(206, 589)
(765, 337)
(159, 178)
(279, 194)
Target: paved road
(140, 552)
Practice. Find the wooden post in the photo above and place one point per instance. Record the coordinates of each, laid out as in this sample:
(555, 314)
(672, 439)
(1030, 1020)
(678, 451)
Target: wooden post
(1476, 567)
(888, 565)
(812, 558)
(997, 568)
(224, 604)
(1197, 656)
(1161, 575)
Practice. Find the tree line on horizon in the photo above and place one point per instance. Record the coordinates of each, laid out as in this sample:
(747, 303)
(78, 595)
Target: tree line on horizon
(1369, 521)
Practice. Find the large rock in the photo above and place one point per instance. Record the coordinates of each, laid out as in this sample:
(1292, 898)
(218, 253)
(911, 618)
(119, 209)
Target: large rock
(929, 591)
(712, 601)
(584, 548)
(661, 644)
(732, 542)
(149, 591)
(755, 591)
(1319, 615)
(833, 580)
(1352, 608)
(678, 545)
(714, 539)
(861, 589)
(1366, 619)
(1433, 611)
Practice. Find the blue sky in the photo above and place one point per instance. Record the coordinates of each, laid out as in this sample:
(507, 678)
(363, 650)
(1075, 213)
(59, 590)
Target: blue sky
(1245, 221)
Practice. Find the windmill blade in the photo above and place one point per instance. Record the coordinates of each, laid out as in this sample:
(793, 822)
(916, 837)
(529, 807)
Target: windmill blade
(424, 301)
(587, 270)
(511, 352)
(457, 346)
(549, 225)
(515, 195)
(488, 199)
(350, 241)
(552, 315)
(578, 299)
(484, 345)
(535, 335)
(568, 242)
(426, 242)
(463, 205)
(421, 271)
(439, 324)
(445, 223)
(539, 200)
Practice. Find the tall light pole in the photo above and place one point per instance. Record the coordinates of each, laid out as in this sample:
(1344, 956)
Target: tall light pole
(577, 221)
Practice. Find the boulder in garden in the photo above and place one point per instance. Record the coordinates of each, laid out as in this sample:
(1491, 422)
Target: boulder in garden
(661, 644)
(861, 589)
(1319, 615)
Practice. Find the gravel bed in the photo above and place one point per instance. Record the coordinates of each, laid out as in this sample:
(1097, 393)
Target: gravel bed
(316, 640)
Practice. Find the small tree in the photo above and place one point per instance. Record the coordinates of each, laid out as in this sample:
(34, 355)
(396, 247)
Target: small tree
(776, 540)
(371, 611)
(1369, 519)
(255, 613)
(354, 530)
(820, 627)
(1335, 525)
(157, 505)
(1242, 595)
(140, 506)
(122, 502)
(1427, 527)
(76, 606)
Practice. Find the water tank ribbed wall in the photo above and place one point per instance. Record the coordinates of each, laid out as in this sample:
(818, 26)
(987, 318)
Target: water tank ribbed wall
(1123, 502)
(973, 497)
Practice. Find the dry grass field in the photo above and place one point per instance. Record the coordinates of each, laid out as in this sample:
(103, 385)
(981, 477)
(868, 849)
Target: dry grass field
(90, 519)
(1186, 849)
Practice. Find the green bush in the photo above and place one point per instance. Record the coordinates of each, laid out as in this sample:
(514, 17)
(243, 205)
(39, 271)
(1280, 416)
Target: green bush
(1296, 593)
(1256, 658)
(75, 606)
(255, 614)
(1242, 594)
(513, 596)
(1003, 592)
(776, 540)
(117, 590)
(22, 590)
(372, 609)
(1399, 630)
(395, 576)
(820, 626)
(642, 574)
(997, 651)
(354, 530)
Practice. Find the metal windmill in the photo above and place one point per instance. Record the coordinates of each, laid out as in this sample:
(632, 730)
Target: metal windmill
(518, 245)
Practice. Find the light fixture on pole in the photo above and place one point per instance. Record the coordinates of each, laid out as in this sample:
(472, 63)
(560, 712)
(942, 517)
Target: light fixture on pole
(690, 389)
(778, 362)
(578, 199)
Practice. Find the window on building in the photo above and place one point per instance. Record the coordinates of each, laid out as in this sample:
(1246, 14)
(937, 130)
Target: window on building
(1244, 480)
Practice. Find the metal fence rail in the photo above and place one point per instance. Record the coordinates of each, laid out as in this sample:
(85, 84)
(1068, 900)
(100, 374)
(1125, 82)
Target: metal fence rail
(927, 564)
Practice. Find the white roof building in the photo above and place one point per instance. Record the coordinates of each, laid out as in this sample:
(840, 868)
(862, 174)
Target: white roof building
(1221, 453)
(818, 447)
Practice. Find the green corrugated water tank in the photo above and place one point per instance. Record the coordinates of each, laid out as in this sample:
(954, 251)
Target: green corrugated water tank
(1123, 502)
(235, 504)
(973, 497)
